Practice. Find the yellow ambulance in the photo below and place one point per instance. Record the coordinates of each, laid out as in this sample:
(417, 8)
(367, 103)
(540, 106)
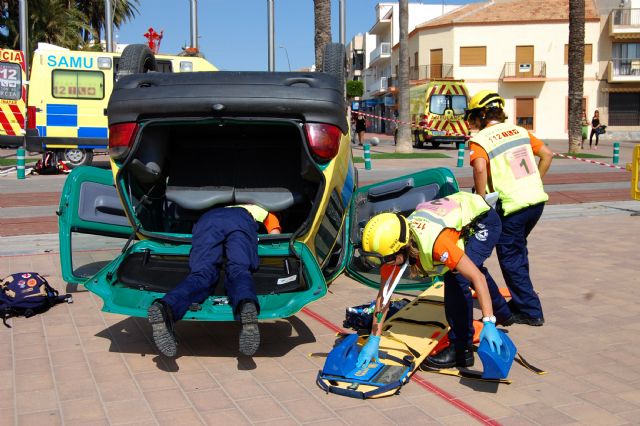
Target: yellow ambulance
(437, 113)
(12, 98)
(69, 91)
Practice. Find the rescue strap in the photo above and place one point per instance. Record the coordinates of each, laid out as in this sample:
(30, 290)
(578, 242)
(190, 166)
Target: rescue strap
(477, 375)
(352, 391)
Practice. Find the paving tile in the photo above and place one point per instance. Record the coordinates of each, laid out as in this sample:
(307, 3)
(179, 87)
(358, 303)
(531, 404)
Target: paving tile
(8, 414)
(49, 418)
(181, 417)
(586, 413)
(242, 386)
(363, 415)
(82, 410)
(544, 415)
(195, 381)
(167, 399)
(76, 389)
(155, 380)
(133, 411)
(212, 399)
(607, 401)
(33, 366)
(409, 415)
(278, 422)
(119, 390)
(308, 410)
(261, 409)
(39, 400)
(67, 357)
(225, 418)
(31, 382)
(286, 390)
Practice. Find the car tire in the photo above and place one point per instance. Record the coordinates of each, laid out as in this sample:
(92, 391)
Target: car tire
(136, 59)
(435, 144)
(75, 157)
(334, 62)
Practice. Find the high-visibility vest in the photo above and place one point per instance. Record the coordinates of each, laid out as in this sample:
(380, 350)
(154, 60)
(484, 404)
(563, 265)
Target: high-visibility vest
(514, 172)
(454, 211)
(259, 214)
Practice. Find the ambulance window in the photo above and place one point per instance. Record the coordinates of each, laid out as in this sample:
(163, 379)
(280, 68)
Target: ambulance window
(438, 104)
(10, 81)
(73, 84)
(459, 104)
(163, 66)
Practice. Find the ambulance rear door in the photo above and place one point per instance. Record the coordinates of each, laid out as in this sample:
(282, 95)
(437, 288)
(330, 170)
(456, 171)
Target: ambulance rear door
(12, 98)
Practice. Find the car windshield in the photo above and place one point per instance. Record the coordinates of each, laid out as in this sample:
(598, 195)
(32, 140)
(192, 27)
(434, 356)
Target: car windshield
(439, 103)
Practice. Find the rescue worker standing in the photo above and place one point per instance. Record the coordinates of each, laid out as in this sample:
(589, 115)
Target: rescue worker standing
(232, 231)
(503, 159)
(451, 236)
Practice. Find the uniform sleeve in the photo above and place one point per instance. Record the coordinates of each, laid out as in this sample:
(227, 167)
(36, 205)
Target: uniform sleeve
(536, 144)
(445, 249)
(476, 151)
(271, 223)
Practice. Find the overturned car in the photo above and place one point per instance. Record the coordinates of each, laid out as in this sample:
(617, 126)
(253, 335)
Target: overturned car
(181, 144)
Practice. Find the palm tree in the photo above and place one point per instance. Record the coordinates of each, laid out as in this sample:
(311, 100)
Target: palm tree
(123, 10)
(322, 22)
(50, 21)
(403, 143)
(576, 72)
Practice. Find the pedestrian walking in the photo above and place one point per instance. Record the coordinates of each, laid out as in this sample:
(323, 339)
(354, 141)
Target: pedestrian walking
(595, 125)
(503, 159)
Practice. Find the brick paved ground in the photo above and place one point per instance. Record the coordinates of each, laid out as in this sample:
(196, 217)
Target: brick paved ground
(77, 365)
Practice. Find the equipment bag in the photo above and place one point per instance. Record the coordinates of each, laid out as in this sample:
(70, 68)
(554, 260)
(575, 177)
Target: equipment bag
(27, 294)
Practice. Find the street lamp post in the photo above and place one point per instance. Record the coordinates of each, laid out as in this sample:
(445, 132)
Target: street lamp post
(287, 54)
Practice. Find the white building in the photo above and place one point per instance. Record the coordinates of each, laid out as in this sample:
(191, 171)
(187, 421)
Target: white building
(385, 33)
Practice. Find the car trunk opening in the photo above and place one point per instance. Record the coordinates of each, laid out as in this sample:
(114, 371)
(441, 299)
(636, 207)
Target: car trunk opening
(179, 169)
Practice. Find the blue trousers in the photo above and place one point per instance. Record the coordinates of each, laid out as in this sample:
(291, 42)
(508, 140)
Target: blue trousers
(458, 303)
(230, 232)
(514, 259)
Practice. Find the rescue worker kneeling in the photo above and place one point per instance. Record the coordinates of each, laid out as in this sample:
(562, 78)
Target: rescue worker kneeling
(233, 231)
(451, 236)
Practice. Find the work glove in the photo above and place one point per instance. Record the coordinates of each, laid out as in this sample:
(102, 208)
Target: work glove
(491, 334)
(368, 352)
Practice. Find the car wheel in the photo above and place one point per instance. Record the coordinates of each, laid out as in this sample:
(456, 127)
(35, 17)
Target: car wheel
(136, 59)
(334, 61)
(435, 144)
(75, 157)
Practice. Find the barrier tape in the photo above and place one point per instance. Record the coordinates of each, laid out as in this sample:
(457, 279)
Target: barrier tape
(416, 126)
(600, 163)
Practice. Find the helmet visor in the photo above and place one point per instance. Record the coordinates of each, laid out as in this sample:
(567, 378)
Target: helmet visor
(375, 259)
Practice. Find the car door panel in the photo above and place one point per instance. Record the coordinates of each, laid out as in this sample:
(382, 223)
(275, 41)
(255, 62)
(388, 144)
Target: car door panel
(398, 195)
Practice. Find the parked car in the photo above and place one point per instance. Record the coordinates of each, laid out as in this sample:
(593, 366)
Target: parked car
(181, 144)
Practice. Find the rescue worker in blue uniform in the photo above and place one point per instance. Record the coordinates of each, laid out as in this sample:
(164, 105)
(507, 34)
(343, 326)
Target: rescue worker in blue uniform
(451, 236)
(503, 159)
(232, 232)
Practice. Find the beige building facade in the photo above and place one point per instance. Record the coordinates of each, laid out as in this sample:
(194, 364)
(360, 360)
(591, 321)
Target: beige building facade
(517, 48)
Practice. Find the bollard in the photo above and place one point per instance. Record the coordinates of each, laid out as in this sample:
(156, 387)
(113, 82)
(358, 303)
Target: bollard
(367, 156)
(460, 155)
(616, 152)
(20, 165)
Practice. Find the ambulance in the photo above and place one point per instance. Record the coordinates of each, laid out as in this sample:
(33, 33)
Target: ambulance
(69, 91)
(437, 113)
(12, 98)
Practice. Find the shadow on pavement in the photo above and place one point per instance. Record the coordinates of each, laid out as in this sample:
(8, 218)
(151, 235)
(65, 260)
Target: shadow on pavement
(208, 339)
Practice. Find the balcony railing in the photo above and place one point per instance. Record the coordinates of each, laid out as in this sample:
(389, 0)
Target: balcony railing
(535, 71)
(624, 21)
(379, 85)
(431, 72)
(624, 70)
(382, 51)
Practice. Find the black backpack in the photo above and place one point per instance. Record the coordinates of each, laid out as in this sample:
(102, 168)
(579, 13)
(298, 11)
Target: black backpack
(27, 294)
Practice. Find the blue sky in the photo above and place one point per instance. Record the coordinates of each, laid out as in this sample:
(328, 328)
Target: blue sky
(233, 33)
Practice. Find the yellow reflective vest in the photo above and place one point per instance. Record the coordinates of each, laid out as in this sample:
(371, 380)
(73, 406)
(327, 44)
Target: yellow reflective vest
(259, 214)
(514, 172)
(454, 211)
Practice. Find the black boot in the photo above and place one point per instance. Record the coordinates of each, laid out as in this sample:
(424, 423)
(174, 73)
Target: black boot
(450, 357)
(161, 319)
(250, 334)
(522, 318)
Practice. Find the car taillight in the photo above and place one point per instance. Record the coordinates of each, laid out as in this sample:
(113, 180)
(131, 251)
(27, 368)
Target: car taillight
(121, 138)
(324, 140)
(31, 117)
